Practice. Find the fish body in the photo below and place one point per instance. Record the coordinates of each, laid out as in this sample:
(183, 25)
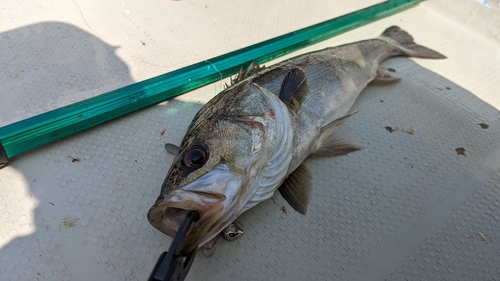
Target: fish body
(253, 137)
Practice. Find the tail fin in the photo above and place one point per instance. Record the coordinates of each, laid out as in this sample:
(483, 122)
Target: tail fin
(400, 38)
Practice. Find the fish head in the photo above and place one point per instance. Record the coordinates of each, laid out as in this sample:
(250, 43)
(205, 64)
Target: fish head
(231, 158)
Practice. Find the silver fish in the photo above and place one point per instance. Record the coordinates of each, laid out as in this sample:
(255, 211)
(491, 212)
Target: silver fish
(252, 138)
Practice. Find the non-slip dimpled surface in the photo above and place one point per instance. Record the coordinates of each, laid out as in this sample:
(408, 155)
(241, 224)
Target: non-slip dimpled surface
(420, 202)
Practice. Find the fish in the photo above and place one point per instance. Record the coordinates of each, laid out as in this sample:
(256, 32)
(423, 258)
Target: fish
(252, 138)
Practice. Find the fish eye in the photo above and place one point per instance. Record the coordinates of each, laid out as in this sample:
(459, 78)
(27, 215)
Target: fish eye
(195, 157)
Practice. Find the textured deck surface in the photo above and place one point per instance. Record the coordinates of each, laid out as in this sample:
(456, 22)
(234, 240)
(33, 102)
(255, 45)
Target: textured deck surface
(420, 202)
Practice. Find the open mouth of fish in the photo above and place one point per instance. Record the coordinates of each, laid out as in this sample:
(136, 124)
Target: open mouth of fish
(213, 196)
(176, 216)
(168, 215)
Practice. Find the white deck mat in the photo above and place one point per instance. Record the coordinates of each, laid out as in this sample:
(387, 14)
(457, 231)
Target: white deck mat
(408, 207)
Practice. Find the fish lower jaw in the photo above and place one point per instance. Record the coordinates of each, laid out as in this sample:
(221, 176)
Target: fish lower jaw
(167, 219)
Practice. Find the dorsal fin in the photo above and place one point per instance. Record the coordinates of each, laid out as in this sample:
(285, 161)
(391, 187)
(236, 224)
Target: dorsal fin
(244, 73)
(294, 89)
(296, 189)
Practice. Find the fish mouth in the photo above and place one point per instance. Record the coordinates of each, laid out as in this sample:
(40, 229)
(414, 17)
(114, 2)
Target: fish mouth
(168, 214)
(214, 196)
(168, 219)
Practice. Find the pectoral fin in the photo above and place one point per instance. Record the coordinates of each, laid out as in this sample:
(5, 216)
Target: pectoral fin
(294, 89)
(296, 189)
(384, 77)
(172, 148)
(331, 143)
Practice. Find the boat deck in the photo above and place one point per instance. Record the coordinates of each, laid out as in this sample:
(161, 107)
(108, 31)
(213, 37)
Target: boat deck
(420, 202)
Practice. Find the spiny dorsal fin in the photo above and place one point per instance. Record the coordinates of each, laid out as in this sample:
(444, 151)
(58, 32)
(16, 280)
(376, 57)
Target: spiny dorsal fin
(296, 189)
(242, 74)
(330, 144)
(384, 77)
(294, 89)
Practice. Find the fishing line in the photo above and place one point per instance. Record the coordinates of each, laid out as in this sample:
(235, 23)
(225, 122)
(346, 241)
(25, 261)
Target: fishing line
(220, 73)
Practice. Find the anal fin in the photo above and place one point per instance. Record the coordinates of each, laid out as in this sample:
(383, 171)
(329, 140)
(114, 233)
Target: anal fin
(296, 189)
(330, 142)
(384, 77)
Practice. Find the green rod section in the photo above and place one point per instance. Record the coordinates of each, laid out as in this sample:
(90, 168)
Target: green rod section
(36, 131)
